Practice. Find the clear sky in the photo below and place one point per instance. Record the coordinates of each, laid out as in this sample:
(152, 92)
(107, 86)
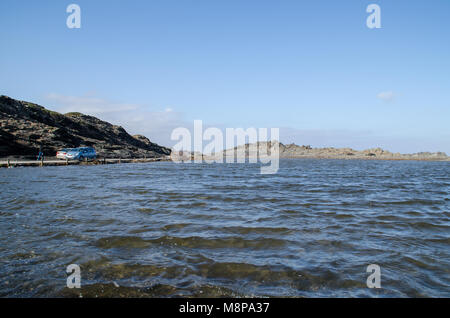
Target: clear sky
(312, 68)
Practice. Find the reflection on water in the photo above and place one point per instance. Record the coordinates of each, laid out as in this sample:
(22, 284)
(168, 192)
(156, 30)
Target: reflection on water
(166, 229)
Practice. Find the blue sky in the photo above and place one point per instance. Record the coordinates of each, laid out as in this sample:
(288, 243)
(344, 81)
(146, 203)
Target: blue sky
(312, 68)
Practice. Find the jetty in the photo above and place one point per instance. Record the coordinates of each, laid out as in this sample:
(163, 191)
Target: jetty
(11, 163)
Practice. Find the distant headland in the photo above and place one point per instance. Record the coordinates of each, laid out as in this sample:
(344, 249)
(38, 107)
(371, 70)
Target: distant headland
(295, 151)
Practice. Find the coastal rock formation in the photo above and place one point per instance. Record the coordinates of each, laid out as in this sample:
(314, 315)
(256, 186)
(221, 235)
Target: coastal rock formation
(295, 151)
(25, 127)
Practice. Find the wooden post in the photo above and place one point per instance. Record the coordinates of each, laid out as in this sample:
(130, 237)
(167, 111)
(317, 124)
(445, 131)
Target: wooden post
(8, 164)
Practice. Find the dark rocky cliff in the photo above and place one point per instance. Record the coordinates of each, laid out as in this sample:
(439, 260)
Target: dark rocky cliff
(24, 127)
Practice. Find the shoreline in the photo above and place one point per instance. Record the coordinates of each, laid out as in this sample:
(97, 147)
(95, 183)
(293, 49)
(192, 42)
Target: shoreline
(367, 158)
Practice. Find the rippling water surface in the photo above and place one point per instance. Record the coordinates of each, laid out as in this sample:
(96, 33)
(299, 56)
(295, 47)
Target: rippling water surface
(166, 229)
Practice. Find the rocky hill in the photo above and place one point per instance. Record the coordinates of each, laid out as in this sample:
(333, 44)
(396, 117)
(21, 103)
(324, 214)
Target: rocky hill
(295, 151)
(24, 127)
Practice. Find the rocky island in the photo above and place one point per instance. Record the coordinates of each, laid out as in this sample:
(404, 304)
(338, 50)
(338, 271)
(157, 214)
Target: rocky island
(295, 151)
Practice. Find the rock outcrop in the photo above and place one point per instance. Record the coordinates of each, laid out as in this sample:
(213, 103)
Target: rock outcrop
(295, 151)
(25, 127)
